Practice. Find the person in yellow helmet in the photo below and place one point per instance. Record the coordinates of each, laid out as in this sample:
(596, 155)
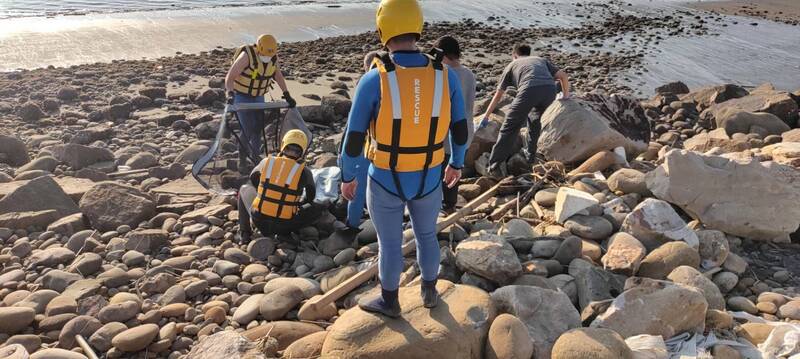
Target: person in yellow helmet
(248, 80)
(274, 199)
(407, 106)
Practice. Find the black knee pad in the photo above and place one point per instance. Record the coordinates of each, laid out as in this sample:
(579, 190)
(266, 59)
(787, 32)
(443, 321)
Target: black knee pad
(355, 143)
(460, 132)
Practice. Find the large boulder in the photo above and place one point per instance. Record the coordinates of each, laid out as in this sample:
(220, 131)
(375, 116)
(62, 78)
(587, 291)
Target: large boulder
(574, 130)
(674, 88)
(80, 156)
(546, 313)
(92, 134)
(13, 151)
(43, 163)
(654, 307)
(136, 338)
(663, 260)
(508, 339)
(225, 344)
(785, 153)
(192, 153)
(456, 328)
(593, 283)
(30, 112)
(309, 346)
(655, 222)
(762, 99)
(708, 96)
(734, 120)
(624, 254)
(25, 220)
(319, 114)
(594, 343)
(39, 194)
(15, 319)
(489, 256)
(691, 277)
(746, 199)
(718, 138)
(338, 104)
(284, 331)
(792, 135)
(628, 180)
(483, 140)
(109, 205)
(570, 201)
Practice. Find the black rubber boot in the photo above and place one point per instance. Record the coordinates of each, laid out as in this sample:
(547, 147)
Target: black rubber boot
(387, 303)
(430, 297)
(245, 237)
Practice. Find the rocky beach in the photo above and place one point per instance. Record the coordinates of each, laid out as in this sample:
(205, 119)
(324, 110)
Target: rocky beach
(687, 242)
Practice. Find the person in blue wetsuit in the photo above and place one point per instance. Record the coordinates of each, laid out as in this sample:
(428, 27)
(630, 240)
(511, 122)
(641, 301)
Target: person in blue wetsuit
(408, 105)
(355, 207)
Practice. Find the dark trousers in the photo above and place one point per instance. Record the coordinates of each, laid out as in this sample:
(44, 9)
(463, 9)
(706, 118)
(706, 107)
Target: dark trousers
(449, 195)
(527, 108)
(252, 124)
(268, 226)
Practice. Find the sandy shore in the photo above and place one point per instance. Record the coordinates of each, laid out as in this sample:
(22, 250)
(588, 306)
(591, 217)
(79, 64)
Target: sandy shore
(785, 11)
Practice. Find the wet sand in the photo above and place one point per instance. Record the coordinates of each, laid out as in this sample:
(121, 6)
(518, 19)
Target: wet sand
(786, 11)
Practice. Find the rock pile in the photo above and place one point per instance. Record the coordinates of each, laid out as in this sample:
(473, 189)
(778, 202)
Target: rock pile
(611, 258)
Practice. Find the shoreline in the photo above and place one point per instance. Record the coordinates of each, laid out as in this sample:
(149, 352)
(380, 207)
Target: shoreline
(633, 48)
(783, 11)
(89, 12)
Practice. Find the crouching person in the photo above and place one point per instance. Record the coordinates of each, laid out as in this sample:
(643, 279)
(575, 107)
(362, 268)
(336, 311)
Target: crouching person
(274, 200)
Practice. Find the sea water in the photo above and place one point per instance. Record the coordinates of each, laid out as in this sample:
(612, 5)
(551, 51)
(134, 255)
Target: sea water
(35, 33)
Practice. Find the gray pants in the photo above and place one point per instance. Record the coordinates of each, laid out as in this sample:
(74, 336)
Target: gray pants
(528, 106)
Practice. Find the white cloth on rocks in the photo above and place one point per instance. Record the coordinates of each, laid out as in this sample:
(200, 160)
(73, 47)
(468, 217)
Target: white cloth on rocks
(327, 181)
(691, 346)
(782, 342)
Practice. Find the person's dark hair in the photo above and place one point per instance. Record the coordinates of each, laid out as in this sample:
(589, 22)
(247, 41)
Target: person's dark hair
(522, 49)
(449, 46)
(294, 151)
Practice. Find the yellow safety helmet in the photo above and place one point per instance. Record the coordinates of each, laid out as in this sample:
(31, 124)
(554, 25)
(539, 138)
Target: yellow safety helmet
(267, 45)
(398, 17)
(295, 137)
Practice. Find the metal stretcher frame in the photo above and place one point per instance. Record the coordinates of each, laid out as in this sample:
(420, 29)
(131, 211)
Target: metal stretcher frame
(226, 127)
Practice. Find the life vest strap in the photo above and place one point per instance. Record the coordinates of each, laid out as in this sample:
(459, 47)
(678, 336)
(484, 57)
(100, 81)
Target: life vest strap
(411, 150)
(281, 189)
(284, 189)
(281, 200)
(438, 92)
(386, 58)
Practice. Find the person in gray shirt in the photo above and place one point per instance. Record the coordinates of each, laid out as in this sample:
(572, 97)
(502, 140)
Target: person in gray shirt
(452, 58)
(534, 78)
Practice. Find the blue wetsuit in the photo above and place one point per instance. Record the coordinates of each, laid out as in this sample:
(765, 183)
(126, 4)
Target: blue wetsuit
(383, 200)
(355, 207)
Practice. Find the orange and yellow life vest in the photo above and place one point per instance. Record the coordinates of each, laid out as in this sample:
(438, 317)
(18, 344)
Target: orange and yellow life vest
(255, 78)
(279, 188)
(414, 118)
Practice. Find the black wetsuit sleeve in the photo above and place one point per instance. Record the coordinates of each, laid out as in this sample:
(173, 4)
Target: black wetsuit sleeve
(307, 181)
(255, 178)
(355, 143)
(459, 131)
